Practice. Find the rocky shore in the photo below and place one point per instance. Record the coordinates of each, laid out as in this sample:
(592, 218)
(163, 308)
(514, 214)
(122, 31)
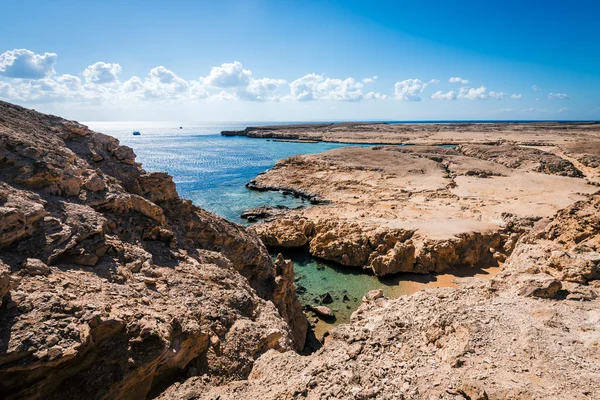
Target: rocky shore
(419, 209)
(111, 286)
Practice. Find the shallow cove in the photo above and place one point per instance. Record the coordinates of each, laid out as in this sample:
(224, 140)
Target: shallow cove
(211, 170)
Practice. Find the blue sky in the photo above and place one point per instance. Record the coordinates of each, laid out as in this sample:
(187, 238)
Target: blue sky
(302, 60)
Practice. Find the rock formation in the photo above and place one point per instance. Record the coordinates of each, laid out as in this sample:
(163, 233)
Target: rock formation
(419, 208)
(111, 286)
(531, 332)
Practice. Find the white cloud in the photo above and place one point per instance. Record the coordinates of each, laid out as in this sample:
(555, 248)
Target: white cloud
(222, 96)
(516, 96)
(25, 64)
(317, 87)
(535, 88)
(479, 93)
(558, 96)
(562, 109)
(102, 73)
(160, 83)
(261, 89)
(410, 89)
(439, 95)
(473, 94)
(59, 88)
(456, 79)
(497, 95)
(370, 80)
(228, 75)
(375, 96)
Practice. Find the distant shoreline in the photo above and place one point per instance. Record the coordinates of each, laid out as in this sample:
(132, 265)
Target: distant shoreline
(535, 133)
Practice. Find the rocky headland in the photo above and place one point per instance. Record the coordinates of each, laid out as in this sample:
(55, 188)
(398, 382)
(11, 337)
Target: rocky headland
(418, 209)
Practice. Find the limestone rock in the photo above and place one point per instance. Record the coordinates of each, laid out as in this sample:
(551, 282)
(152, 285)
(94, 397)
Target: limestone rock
(323, 311)
(538, 285)
(35, 267)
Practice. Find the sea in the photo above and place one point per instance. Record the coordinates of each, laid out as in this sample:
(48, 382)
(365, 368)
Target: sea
(211, 170)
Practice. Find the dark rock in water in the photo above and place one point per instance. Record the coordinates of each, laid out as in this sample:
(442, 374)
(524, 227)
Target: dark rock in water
(346, 299)
(300, 290)
(326, 298)
(263, 212)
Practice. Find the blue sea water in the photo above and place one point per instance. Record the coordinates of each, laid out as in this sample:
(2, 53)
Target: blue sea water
(210, 169)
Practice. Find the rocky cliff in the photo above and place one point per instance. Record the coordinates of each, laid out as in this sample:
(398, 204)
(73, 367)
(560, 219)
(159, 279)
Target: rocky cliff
(112, 286)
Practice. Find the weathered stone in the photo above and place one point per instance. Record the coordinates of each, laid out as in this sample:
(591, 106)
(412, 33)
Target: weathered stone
(34, 266)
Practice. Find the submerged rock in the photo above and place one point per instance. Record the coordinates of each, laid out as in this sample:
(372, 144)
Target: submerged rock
(263, 212)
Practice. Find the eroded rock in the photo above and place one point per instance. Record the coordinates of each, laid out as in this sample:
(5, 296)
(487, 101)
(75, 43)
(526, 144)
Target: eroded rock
(114, 287)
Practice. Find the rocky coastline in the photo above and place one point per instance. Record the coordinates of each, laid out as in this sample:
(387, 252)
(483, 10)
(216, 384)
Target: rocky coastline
(112, 286)
(537, 134)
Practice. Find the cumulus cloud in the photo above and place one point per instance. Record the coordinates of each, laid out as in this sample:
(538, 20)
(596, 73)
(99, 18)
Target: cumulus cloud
(456, 79)
(497, 95)
(58, 88)
(535, 88)
(516, 96)
(558, 96)
(369, 80)
(160, 83)
(410, 89)
(479, 93)
(439, 95)
(228, 75)
(261, 89)
(562, 109)
(25, 64)
(102, 73)
(317, 87)
(375, 96)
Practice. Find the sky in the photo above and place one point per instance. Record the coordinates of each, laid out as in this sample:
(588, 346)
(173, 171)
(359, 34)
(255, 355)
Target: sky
(286, 60)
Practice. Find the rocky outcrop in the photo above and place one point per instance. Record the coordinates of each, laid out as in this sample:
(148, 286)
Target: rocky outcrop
(560, 257)
(418, 209)
(465, 343)
(384, 251)
(285, 290)
(526, 158)
(111, 286)
(263, 212)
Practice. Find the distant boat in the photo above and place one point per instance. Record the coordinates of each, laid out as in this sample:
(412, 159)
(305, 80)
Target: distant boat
(136, 133)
